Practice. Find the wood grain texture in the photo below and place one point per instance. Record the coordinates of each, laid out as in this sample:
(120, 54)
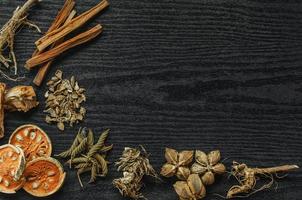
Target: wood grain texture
(188, 74)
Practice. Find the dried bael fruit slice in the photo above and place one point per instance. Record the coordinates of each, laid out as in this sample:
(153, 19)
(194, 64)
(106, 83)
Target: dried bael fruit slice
(44, 176)
(32, 140)
(12, 164)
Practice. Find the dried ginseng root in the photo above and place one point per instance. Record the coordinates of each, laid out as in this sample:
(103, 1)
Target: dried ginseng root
(135, 165)
(44, 176)
(86, 156)
(20, 98)
(191, 189)
(12, 164)
(7, 34)
(207, 166)
(248, 177)
(32, 140)
(177, 164)
(63, 101)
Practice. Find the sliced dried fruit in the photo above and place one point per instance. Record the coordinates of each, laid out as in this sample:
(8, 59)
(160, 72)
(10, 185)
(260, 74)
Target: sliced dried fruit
(44, 176)
(12, 164)
(32, 140)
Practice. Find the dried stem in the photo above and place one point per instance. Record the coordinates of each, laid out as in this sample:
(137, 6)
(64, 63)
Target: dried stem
(7, 34)
(2, 93)
(43, 70)
(77, 22)
(77, 40)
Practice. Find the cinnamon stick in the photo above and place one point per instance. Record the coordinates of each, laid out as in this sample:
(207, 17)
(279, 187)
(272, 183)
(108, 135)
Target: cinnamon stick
(43, 70)
(75, 41)
(77, 22)
(2, 94)
(60, 19)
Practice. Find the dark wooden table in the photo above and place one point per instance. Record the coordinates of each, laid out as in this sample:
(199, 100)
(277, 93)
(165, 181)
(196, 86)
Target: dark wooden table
(188, 74)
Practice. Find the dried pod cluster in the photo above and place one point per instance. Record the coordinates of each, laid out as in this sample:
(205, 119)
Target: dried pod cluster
(86, 156)
(134, 164)
(63, 101)
(26, 163)
(195, 176)
(19, 98)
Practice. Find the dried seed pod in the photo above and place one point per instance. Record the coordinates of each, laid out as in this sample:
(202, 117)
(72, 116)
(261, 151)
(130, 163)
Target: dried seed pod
(207, 166)
(248, 177)
(177, 164)
(191, 189)
(32, 140)
(44, 177)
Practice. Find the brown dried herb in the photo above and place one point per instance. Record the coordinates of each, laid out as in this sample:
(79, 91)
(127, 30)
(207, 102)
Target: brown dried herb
(86, 156)
(248, 177)
(63, 101)
(7, 34)
(191, 189)
(177, 164)
(207, 166)
(134, 164)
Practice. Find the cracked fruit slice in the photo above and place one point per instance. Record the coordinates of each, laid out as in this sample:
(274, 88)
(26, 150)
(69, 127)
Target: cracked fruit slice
(12, 164)
(44, 176)
(32, 140)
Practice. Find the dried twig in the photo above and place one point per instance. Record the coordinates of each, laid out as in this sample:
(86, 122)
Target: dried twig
(7, 34)
(77, 22)
(2, 92)
(77, 40)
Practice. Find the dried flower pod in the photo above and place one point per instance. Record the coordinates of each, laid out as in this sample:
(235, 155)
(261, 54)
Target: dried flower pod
(177, 164)
(207, 166)
(192, 189)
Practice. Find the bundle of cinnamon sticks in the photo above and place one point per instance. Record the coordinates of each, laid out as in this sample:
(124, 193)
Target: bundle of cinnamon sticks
(52, 44)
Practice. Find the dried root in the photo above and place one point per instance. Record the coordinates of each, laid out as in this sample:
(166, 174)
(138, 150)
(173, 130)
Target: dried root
(247, 177)
(2, 91)
(7, 34)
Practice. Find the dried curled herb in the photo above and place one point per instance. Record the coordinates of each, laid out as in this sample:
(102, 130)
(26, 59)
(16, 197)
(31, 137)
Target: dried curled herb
(191, 189)
(63, 101)
(177, 164)
(134, 164)
(86, 156)
(207, 166)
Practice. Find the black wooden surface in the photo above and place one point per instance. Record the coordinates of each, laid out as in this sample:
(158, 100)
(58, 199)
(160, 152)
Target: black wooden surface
(188, 74)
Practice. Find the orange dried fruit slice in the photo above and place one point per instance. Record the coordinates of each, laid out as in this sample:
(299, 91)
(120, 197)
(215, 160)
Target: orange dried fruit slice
(44, 176)
(32, 140)
(12, 164)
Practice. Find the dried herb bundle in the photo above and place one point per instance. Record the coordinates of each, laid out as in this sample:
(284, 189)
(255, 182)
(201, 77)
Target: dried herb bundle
(19, 98)
(134, 164)
(177, 164)
(207, 166)
(191, 189)
(7, 34)
(86, 156)
(63, 101)
(248, 177)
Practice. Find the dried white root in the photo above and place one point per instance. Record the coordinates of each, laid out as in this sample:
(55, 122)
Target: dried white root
(7, 34)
